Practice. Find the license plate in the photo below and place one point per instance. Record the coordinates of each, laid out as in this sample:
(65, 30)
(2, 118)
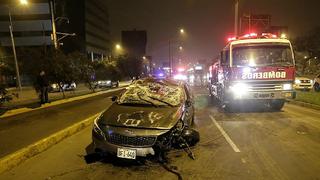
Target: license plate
(126, 153)
(264, 95)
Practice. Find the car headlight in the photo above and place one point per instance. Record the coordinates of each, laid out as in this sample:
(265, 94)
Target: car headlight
(239, 89)
(297, 81)
(311, 81)
(54, 86)
(287, 87)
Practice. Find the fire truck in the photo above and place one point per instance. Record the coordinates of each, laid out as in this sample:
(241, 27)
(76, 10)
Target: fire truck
(253, 69)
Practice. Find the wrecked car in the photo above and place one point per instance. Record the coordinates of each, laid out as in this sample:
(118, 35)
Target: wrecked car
(150, 117)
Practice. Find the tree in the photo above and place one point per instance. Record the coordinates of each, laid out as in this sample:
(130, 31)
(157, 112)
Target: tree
(308, 48)
(130, 66)
(107, 70)
(83, 68)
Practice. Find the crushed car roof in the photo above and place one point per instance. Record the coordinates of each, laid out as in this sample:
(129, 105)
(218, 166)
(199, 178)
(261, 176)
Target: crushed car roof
(153, 91)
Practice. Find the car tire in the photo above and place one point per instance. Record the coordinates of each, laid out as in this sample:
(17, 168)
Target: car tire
(316, 87)
(277, 105)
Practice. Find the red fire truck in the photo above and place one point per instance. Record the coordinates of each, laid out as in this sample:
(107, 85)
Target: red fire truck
(254, 68)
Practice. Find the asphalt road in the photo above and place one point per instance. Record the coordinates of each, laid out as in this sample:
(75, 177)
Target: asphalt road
(24, 129)
(250, 144)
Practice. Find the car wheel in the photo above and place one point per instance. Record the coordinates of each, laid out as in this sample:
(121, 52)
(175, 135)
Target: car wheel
(316, 87)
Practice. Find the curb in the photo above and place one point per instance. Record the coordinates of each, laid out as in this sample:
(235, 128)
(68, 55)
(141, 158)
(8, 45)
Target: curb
(14, 112)
(304, 104)
(10, 161)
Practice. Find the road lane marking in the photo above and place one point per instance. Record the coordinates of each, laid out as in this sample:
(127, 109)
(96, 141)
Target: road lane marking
(225, 135)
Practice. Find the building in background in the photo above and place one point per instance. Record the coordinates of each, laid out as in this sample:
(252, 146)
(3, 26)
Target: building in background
(89, 20)
(134, 43)
(31, 23)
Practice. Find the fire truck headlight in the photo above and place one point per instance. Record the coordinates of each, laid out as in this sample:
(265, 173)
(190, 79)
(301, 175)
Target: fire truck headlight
(239, 89)
(297, 81)
(287, 87)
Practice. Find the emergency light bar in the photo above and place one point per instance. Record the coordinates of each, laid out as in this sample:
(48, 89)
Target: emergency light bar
(255, 36)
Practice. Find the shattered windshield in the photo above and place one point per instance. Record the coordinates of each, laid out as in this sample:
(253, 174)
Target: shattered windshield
(262, 55)
(152, 92)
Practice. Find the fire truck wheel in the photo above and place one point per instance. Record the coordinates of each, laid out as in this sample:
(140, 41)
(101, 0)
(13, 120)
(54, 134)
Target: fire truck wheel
(277, 105)
(316, 87)
(230, 108)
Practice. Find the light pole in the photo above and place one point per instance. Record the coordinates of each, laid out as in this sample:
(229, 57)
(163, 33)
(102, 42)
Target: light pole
(182, 32)
(236, 17)
(54, 30)
(23, 2)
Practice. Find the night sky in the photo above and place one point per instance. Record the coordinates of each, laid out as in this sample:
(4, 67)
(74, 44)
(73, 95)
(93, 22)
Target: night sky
(207, 22)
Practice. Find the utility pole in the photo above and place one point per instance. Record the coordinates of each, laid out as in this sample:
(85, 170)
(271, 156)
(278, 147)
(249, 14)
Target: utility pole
(14, 52)
(54, 31)
(170, 59)
(236, 17)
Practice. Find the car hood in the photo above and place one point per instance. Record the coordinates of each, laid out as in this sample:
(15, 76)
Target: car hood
(141, 117)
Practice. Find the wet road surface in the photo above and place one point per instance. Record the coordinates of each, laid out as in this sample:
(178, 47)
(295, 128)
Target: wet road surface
(250, 144)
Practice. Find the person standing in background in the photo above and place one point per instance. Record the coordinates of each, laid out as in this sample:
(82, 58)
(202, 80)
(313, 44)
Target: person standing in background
(43, 85)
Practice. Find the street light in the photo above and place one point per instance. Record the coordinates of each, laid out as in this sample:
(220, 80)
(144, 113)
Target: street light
(22, 2)
(181, 31)
(118, 47)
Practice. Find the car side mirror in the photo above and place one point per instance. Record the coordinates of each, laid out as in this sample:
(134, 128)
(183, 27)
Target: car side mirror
(114, 98)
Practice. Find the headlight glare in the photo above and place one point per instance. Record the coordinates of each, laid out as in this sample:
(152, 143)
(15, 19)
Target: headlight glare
(239, 89)
(287, 87)
(297, 81)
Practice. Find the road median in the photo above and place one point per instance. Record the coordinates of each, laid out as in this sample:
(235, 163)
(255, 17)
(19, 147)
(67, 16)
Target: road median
(309, 99)
(14, 112)
(10, 161)
(304, 104)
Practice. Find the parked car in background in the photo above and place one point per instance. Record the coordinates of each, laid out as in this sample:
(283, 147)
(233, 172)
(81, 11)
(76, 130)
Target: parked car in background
(54, 87)
(303, 83)
(106, 84)
(316, 84)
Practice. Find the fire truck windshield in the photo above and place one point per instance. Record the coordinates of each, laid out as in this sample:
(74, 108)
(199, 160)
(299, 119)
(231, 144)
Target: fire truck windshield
(262, 55)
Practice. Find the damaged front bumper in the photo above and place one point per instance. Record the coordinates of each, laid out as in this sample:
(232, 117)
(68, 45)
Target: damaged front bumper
(139, 140)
